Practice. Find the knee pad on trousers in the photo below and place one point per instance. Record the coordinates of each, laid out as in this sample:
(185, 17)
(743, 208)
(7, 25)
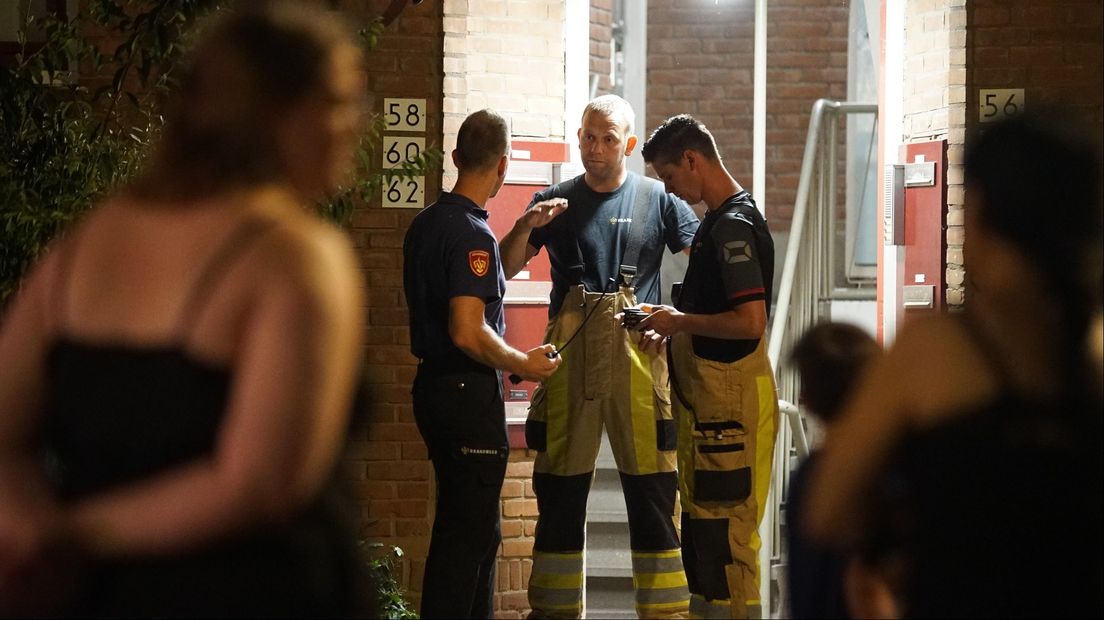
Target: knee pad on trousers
(561, 504)
(650, 502)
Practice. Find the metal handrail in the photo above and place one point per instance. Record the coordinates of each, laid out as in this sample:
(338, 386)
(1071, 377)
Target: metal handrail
(801, 204)
(812, 240)
(793, 414)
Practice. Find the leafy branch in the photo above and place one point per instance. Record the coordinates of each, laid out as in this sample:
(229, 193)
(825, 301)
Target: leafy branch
(78, 120)
(389, 601)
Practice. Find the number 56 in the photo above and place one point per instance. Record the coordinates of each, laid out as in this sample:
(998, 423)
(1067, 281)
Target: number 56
(1000, 103)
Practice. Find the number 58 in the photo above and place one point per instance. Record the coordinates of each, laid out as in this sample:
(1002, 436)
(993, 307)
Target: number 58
(404, 114)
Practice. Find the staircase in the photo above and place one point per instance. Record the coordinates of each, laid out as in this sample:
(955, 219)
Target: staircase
(609, 588)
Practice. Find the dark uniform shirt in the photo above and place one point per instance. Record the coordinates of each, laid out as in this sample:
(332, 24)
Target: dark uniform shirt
(587, 243)
(731, 263)
(449, 251)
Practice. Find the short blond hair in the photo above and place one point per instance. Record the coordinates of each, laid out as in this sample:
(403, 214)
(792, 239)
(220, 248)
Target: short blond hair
(612, 106)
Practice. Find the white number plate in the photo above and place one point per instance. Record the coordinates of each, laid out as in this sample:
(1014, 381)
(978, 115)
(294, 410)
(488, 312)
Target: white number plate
(399, 150)
(404, 193)
(998, 103)
(404, 114)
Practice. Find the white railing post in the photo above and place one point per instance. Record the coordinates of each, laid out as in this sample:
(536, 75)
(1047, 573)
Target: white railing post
(797, 226)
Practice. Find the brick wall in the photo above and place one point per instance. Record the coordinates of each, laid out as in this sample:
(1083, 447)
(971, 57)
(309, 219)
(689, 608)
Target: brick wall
(1050, 48)
(700, 62)
(507, 55)
(806, 61)
(601, 32)
(1053, 49)
(519, 523)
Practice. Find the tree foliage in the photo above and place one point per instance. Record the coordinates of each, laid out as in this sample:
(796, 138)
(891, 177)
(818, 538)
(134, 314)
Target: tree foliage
(77, 120)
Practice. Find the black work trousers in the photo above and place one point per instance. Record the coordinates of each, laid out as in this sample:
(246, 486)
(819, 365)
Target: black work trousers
(459, 411)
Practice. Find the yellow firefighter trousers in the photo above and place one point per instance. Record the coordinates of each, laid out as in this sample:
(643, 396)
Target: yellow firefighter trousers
(604, 380)
(726, 448)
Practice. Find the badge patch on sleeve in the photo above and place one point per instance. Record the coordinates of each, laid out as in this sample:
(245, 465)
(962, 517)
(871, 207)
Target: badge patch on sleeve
(479, 261)
(737, 252)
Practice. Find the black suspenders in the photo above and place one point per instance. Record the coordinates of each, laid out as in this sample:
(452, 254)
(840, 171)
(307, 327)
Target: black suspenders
(642, 192)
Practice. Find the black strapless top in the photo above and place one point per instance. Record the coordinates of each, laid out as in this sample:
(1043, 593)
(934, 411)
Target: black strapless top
(116, 414)
(120, 414)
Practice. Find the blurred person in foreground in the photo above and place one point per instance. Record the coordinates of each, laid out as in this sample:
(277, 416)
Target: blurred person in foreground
(725, 403)
(829, 358)
(454, 287)
(177, 371)
(984, 428)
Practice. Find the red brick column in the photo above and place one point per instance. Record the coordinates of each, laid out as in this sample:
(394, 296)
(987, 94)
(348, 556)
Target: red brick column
(389, 471)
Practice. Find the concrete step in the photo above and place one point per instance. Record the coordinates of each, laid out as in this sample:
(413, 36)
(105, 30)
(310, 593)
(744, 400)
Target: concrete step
(610, 597)
(607, 550)
(606, 502)
(609, 589)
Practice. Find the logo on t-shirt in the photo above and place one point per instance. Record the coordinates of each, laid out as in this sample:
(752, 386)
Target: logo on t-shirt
(479, 260)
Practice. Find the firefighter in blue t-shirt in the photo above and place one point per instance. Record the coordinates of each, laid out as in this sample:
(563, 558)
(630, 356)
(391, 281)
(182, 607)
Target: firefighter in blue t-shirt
(605, 232)
(454, 285)
(725, 399)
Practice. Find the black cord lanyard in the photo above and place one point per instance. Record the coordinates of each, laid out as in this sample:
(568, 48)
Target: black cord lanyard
(516, 379)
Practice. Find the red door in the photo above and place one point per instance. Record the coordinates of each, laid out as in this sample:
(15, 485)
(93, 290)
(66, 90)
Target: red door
(925, 249)
(533, 167)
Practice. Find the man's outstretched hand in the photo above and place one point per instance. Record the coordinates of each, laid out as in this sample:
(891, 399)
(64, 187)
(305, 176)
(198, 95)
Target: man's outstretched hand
(543, 212)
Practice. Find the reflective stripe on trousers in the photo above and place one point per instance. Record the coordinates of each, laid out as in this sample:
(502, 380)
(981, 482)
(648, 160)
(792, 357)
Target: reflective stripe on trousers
(726, 449)
(555, 588)
(556, 585)
(660, 584)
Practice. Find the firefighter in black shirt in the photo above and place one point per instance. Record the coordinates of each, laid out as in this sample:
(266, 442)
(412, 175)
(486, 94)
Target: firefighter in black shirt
(725, 399)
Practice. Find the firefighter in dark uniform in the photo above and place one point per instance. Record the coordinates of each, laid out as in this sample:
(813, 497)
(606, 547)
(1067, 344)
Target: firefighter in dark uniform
(721, 377)
(453, 279)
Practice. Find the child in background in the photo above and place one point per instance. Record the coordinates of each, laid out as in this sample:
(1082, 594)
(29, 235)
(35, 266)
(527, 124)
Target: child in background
(829, 359)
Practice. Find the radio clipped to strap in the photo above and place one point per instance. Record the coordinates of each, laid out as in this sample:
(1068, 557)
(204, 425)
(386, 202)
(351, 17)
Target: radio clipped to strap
(627, 273)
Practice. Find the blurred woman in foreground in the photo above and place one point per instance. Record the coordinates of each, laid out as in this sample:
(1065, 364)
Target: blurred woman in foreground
(177, 371)
(980, 433)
